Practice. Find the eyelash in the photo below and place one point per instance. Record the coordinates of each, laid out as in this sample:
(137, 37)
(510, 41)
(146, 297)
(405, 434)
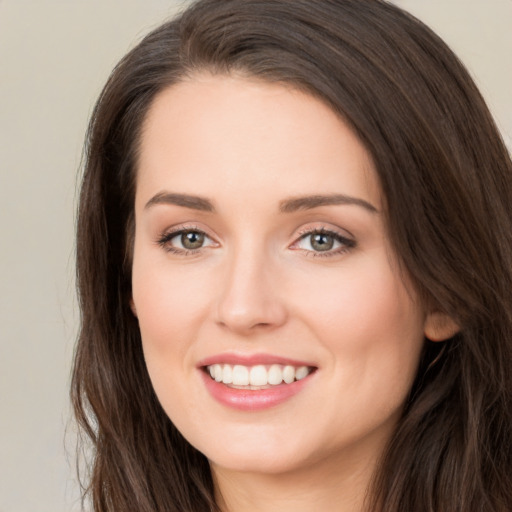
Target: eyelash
(166, 237)
(346, 244)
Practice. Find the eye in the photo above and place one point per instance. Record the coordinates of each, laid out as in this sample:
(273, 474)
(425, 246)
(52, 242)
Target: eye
(323, 241)
(191, 239)
(185, 240)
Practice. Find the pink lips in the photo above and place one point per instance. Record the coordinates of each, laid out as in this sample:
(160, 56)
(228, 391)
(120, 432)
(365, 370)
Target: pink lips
(247, 399)
(250, 360)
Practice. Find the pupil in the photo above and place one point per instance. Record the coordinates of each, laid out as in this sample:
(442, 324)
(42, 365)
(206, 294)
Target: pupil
(192, 240)
(322, 242)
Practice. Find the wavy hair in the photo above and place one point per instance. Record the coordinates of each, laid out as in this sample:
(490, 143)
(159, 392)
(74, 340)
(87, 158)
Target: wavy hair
(447, 181)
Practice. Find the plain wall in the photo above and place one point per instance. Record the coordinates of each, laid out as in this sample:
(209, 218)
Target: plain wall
(54, 58)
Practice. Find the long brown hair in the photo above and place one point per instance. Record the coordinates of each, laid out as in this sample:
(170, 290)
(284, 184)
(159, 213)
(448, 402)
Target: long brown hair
(447, 181)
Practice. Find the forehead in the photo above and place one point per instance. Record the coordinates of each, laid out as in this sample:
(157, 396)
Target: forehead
(248, 136)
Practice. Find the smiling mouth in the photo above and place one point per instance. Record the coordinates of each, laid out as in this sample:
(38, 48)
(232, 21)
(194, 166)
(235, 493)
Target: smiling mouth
(258, 376)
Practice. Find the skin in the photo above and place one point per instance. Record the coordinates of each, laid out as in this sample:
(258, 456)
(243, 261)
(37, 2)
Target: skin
(257, 285)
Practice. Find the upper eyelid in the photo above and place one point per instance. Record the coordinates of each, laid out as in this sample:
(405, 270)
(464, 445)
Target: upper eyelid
(168, 234)
(173, 231)
(180, 228)
(342, 233)
(164, 239)
(347, 240)
(340, 238)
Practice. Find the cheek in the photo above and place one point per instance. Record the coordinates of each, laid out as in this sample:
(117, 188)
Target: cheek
(172, 304)
(370, 322)
(169, 308)
(169, 303)
(363, 297)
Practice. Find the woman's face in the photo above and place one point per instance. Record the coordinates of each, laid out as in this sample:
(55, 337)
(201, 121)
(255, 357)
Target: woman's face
(261, 256)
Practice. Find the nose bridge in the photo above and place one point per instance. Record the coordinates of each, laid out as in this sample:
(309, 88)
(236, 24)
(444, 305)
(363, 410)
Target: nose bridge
(248, 298)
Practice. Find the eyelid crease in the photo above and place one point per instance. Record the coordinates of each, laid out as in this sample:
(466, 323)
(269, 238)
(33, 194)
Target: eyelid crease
(346, 243)
(326, 229)
(167, 235)
(340, 238)
(180, 228)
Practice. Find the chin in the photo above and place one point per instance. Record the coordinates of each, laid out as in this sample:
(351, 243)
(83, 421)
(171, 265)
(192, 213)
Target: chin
(256, 452)
(260, 462)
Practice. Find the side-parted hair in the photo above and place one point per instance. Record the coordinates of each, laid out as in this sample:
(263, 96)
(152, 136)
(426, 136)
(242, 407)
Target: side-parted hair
(446, 177)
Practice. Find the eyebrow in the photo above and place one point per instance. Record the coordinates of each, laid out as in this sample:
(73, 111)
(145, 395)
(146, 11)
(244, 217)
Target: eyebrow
(315, 201)
(287, 206)
(185, 200)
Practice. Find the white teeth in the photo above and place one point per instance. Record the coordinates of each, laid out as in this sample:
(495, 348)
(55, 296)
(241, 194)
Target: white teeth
(257, 376)
(275, 375)
(227, 374)
(217, 372)
(240, 375)
(288, 374)
(302, 372)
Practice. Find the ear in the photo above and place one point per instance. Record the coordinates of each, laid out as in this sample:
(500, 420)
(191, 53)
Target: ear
(133, 308)
(440, 327)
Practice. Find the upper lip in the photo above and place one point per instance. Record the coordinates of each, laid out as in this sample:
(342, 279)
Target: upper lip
(251, 360)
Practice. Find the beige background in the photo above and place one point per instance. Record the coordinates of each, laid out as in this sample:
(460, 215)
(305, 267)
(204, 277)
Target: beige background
(54, 57)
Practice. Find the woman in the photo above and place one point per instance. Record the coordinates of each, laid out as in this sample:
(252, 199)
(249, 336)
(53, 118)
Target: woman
(295, 269)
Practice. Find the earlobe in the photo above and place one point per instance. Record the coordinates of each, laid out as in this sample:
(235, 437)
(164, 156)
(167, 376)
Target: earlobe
(133, 308)
(440, 327)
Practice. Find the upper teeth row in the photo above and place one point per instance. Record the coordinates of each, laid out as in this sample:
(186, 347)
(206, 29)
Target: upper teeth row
(258, 375)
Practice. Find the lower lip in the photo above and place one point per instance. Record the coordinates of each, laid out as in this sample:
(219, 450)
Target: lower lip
(252, 400)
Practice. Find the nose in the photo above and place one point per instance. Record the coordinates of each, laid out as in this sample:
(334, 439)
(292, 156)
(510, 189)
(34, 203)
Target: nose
(249, 298)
